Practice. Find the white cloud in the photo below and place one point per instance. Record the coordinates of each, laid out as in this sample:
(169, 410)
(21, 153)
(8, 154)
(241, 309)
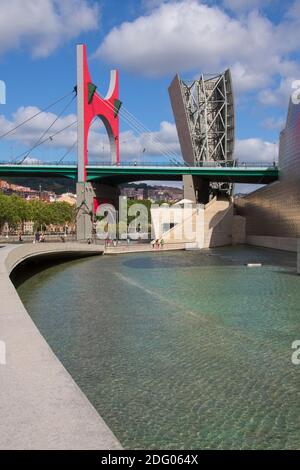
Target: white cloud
(187, 35)
(278, 96)
(43, 25)
(256, 150)
(31, 161)
(177, 36)
(28, 134)
(163, 143)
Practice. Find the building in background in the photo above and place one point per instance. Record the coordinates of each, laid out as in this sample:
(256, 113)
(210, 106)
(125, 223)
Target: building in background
(152, 193)
(70, 198)
(26, 192)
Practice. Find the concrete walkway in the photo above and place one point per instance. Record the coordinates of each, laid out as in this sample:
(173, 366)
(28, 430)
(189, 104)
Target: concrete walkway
(41, 407)
(142, 247)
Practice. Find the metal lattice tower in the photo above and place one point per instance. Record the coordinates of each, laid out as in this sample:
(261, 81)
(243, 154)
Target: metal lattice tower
(204, 116)
(209, 107)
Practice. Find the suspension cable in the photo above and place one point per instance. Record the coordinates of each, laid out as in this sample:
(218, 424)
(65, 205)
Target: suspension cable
(35, 115)
(125, 115)
(67, 152)
(139, 124)
(170, 155)
(48, 128)
(45, 140)
(139, 127)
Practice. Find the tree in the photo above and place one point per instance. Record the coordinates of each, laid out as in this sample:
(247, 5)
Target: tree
(39, 213)
(11, 209)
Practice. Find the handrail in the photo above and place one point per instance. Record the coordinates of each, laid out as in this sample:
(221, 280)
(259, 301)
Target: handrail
(212, 164)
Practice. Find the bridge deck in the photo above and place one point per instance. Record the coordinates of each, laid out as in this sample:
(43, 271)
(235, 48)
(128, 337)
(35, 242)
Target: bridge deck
(119, 174)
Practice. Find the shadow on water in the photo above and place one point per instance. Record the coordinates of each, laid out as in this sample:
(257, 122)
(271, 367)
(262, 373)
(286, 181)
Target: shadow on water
(33, 266)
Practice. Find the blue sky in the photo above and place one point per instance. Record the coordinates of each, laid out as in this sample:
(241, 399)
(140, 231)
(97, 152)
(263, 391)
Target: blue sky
(148, 41)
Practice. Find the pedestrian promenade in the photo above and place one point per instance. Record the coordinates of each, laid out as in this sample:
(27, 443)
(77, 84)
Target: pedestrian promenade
(41, 407)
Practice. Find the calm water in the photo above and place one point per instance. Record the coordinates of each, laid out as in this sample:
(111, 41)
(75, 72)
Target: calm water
(179, 350)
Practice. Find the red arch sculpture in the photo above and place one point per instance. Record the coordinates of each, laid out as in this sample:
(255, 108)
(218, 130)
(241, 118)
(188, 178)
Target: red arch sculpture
(89, 105)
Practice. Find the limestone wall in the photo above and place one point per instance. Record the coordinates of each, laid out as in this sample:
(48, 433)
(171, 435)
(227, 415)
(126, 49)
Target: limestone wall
(218, 220)
(206, 226)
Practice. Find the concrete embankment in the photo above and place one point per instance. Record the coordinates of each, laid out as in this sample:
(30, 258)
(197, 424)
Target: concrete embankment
(41, 407)
(142, 247)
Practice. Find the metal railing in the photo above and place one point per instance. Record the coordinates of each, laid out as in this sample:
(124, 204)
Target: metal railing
(207, 164)
(38, 163)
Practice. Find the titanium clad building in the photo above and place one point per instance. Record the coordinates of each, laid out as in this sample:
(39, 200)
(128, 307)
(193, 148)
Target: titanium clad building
(273, 212)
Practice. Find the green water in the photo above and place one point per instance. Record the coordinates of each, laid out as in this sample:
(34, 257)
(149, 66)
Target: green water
(179, 350)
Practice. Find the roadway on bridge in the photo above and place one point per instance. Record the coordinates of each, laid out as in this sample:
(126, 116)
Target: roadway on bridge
(124, 173)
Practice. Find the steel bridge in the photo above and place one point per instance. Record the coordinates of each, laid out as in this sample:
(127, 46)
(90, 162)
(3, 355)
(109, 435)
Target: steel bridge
(116, 174)
(207, 164)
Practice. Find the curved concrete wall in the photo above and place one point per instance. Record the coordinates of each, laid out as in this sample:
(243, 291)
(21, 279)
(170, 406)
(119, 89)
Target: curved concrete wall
(16, 254)
(41, 407)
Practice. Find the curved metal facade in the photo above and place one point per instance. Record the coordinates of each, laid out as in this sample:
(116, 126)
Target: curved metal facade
(275, 209)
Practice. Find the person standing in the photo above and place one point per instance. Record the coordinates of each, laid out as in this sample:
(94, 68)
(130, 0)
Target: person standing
(37, 237)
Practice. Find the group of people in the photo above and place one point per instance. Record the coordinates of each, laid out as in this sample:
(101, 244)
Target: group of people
(39, 237)
(110, 242)
(114, 241)
(158, 243)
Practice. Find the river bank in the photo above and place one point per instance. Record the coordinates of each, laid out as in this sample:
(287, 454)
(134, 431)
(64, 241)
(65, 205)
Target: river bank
(41, 407)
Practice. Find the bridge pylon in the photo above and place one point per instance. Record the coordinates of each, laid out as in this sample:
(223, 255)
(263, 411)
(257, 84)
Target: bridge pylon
(91, 105)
